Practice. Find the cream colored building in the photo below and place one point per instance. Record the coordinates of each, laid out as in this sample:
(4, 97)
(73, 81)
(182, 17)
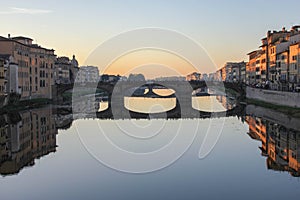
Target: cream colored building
(87, 74)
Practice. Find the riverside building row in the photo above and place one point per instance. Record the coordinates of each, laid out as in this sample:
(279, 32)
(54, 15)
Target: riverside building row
(277, 61)
(30, 71)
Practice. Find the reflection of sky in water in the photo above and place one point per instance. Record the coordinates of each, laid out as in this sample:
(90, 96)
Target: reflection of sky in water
(157, 105)
(208, 104)
(163, 92)
(233, 170)
(149, 105)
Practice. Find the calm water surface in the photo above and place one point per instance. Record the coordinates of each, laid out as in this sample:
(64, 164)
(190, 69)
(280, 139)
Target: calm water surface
(46, 155)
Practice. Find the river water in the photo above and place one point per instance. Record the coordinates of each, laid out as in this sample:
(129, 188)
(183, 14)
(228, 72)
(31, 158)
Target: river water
(48, 153)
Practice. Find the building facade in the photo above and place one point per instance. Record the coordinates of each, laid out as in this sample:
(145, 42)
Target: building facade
(65, 70)
(35, 66)
(87, 74)
(195, 76)
(276, 61)
(233, 72)
(294, 66)
(3, 83)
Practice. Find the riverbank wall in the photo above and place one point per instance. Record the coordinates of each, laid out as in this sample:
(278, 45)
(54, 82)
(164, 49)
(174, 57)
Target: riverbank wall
(290, 99)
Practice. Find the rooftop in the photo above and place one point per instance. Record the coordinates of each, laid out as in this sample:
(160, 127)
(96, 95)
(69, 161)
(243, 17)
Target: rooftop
(21, 38)
(15, 39)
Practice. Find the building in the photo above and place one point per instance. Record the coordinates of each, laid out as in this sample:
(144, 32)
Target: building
(171, 78)
(276, 48)
(294, 66)
(87, 74)
(8, 79)
(3, 83)
(282, 66)
(35, 66)
(218, 75)
(274, 62)
(195, 76)
(65, 70)
(253, 67)
(111, 78)
(204, 77)
(243, 73)
(232, 71)
(136, 77)
(12, 86)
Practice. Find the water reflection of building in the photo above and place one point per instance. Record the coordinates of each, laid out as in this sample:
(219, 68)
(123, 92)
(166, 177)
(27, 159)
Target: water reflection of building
(280, 145)
(25, 136)
(227, 103)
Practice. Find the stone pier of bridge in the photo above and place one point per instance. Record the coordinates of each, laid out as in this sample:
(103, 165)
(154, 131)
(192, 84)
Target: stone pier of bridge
(183, 95)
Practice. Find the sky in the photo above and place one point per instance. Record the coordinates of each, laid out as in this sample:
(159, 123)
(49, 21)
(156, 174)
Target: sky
(226, 30)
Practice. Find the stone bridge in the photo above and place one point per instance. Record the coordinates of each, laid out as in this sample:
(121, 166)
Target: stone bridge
(183, 93)
(175, 85)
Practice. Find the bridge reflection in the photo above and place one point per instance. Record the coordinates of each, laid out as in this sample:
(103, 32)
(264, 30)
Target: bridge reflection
(31, 134)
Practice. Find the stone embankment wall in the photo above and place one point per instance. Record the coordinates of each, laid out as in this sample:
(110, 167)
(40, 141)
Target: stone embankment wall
(291, 99)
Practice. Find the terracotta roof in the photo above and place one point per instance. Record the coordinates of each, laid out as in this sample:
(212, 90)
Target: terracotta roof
(21, 38)
(31, 46)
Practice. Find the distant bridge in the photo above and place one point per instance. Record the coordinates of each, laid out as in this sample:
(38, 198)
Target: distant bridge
(116, 92)
(174, 85)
